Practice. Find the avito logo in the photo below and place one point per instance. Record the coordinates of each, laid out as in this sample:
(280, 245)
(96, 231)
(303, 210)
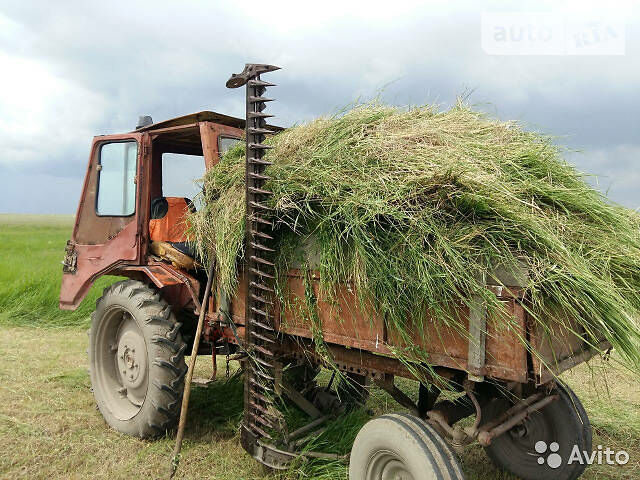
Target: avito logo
(551, 457)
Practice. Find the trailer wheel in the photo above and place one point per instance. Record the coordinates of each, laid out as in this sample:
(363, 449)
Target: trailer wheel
(136, 360)
(401, 446)
(557, 429)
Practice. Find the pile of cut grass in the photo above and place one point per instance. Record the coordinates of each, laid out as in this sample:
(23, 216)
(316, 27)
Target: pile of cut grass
(418, 206)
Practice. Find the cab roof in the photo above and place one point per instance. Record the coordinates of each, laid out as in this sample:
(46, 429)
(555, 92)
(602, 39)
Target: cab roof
(205, 116)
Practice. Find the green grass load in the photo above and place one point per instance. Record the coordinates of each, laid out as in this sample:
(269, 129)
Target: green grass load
(417, 206)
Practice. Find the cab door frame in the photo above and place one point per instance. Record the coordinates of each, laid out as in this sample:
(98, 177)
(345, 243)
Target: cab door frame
(100, 244)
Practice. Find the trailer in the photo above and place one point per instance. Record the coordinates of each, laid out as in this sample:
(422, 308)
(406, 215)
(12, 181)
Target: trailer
(143, 327)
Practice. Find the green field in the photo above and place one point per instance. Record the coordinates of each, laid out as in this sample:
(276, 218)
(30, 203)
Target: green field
(49, 427)
(31, 254)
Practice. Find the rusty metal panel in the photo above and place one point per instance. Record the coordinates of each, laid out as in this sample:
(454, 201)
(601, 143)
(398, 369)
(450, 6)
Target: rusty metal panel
(559, 345)
(345, 323)
(209, 133)
(96, 260)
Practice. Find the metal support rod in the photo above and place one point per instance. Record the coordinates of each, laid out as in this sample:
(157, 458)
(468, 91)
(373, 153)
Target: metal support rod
(522, 404)
(175, 459)
(388, 385)
(308, 427)
(486, 437)
(214, 362)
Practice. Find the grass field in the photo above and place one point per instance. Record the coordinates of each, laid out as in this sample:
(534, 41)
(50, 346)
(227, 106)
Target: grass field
(49, 427)
(31, 254)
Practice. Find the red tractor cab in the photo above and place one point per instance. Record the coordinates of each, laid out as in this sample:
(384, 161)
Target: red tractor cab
(127, 221)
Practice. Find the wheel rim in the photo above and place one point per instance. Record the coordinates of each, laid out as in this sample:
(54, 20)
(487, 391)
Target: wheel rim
(121, 363)
(386, 465)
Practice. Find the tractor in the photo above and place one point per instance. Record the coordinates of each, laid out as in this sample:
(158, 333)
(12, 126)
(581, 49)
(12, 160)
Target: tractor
(130, 223)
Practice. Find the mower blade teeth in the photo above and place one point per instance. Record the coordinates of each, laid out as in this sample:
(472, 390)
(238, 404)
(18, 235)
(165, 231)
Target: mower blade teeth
(255, 218)
(261, 235)
(258, 298)
(260, 206)
(259, 385)
(259, 161)
(261, 432)
(261, 409)
(261, 420)
(259, 191)
(263, 351)
(260, 83)
(260, 131)
(262, 287)
(262, 337)
(261, 374)
(260, 146)
(259, 246)
(262, 261)
(259, 312)
(259, 176)
(264, 326)
(266, 400)
(260, 115)
(254, 99)
(261, 273)
(264, 363)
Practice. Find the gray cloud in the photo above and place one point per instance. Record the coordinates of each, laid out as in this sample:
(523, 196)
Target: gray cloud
(86, 68)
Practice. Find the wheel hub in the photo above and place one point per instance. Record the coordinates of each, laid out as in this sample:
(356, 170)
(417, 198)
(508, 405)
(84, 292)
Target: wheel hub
(131, 359)
(395, 470)
(386, 465)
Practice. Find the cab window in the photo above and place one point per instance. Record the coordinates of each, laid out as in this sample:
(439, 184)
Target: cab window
(225, 143)
(117, 163)
(182, 175)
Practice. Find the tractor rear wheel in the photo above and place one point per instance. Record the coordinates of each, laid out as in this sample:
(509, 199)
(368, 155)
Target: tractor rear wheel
(401, 446)
(136, 360)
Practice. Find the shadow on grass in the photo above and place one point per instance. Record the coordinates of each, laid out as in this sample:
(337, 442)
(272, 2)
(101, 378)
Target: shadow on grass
(215, 410)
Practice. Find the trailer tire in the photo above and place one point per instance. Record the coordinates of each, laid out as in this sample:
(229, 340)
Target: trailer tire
(138, 392)
(563, 422)
(401, 446)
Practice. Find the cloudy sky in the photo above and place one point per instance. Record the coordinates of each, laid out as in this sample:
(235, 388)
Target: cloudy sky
(74, 69)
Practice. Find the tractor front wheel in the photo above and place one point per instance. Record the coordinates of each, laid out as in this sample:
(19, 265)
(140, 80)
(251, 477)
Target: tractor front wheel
(136, 360)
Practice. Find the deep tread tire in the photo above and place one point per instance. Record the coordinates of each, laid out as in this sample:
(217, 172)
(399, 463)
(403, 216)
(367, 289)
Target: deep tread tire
(165, 365)
(402, 445)
(564, 421)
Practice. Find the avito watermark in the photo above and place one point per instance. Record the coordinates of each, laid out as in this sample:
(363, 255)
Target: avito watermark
(600, 456)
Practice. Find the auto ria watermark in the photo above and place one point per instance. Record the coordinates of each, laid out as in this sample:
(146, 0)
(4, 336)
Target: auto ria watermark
(549, 455)
(552, 34)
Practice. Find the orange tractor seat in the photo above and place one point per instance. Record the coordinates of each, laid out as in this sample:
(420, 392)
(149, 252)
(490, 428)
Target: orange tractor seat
(168, 231)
